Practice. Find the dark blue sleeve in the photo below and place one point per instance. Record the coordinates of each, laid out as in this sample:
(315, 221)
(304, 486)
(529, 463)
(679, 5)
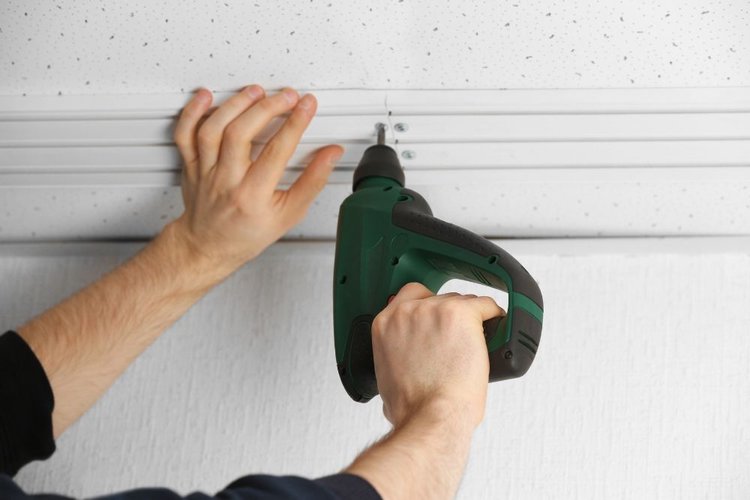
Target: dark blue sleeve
(256, 487)
(26, 403)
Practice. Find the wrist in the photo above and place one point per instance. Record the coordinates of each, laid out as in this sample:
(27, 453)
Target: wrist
(442, 415)
(175, 249)
(422, 457)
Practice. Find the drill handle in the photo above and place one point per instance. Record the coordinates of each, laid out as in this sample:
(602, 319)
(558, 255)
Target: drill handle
(512, 340)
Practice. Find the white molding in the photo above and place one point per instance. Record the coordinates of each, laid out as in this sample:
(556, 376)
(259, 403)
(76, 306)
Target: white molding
(547, 163)
(457, 129)
(65, 161)
(158, 131)
(573, 127)
(435, 128)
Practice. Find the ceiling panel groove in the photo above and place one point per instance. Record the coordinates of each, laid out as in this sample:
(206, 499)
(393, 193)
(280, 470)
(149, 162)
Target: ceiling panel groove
(422, 128)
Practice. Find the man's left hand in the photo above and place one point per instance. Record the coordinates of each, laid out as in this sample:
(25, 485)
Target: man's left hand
(233, 207)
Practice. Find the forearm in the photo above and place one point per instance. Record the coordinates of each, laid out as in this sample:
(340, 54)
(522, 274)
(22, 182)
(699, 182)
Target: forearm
(85, 342)
(424, 458)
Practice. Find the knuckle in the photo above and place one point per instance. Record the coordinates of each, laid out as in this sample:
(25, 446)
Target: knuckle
(206, 136)
(422, 308)
(451, 311)
(378, 325)
(404, 310)
(267, 106)
(235, 199)
(490, 302)
(413, 287)
(487, 299)
(234, 132)
(274, 148)
(179, 139)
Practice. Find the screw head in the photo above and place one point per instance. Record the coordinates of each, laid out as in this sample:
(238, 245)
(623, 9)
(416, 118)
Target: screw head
(408, 154)
(508, 354)
(401, 127)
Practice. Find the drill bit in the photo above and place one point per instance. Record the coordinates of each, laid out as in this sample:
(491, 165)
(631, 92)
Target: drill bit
(381, 133)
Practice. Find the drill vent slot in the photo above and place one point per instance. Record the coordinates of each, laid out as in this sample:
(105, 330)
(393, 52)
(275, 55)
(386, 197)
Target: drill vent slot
(479, 276)
(529, 343)
(529, 338)
(527, 346)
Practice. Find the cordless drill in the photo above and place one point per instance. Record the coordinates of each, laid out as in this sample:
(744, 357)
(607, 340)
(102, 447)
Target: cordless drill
(387, 237)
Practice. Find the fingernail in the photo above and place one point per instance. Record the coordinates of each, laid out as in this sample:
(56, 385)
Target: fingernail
(335, 157)
(254, 91)
(306, 102)
(290, 95)
(202, 95)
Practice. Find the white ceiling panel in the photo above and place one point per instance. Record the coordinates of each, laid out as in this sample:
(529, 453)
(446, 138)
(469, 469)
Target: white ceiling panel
(141, 46)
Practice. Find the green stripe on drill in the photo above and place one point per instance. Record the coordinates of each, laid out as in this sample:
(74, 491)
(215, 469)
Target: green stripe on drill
(522, 302)
(528, 305)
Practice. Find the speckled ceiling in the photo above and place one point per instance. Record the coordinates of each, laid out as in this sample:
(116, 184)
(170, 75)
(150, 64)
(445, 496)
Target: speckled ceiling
(76, 47)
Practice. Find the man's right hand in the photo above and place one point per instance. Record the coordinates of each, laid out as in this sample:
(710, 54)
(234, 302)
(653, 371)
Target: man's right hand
(432, 368)
(430, 354)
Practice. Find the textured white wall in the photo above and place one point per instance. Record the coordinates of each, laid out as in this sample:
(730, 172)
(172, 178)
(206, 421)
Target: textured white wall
(640, 389)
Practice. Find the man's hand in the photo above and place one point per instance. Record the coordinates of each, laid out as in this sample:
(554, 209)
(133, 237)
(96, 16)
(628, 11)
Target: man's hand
(432, 369)
(232, 212)
(233, 209)
(429, 351)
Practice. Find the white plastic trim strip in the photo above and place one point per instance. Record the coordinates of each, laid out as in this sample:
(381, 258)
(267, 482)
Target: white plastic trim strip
(420, 129)
(522, 163)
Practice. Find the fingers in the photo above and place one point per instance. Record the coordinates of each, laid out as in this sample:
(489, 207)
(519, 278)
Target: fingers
(185, 130)
(272, 161)
(309, 184)
(486, 307)
(237, 144)
(212, 131)
(411, 291)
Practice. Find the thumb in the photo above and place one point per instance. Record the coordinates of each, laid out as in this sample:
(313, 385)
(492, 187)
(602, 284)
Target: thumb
(312, 181)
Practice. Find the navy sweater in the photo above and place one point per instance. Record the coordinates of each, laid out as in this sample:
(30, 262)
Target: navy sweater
(26, 404)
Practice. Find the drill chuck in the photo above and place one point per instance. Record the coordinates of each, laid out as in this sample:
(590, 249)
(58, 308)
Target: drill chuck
(379, 161)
